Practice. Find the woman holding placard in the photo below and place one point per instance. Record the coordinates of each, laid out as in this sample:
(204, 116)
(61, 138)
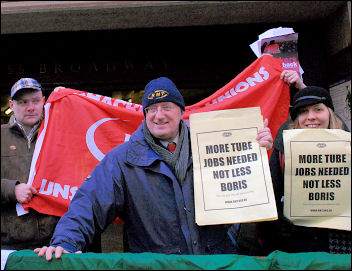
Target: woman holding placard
(312, 109)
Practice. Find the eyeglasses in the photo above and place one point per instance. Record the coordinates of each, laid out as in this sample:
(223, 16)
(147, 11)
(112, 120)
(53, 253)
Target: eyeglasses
(163, 108)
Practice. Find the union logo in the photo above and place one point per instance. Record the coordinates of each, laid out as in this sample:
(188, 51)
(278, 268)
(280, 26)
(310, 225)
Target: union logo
(227, 134)
(158, 94)
(321, 145)
(90, 141)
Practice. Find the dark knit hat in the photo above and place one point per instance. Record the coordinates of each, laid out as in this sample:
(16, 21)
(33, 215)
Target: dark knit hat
(162, 90)
(309, 96)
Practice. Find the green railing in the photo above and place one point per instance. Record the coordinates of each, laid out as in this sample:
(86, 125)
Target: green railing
(28, 260)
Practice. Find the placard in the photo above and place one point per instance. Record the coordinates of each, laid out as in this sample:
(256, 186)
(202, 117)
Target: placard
(232, 181)
(318, 178)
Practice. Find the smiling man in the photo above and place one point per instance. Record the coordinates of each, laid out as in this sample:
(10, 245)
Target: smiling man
(148, 182)
(17, 145)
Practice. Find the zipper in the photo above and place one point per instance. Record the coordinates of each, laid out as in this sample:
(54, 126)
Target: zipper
(29, 143)
(25, 135)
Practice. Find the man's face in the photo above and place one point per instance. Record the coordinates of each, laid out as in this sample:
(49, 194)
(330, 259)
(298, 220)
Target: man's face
(163, 120)
(28, 108)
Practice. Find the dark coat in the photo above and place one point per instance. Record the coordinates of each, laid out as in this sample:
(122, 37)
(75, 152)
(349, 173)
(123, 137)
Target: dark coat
(134, 183)
(33, 229)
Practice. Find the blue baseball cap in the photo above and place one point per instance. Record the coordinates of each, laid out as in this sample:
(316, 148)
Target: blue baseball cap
(25, 83)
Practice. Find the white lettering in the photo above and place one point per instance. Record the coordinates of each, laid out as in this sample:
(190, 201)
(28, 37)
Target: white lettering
(94, 96)
(73, 191)
(55, 189)
(242, 86)
(233, 92)
(263, 72)
(107, 100)
(257, 78)
(212, 102)
(134, 107)
(113, 102)
(226, 96)
(127, 137)
(49, 190)
(58, 189)
(117, 102)
(289, 65)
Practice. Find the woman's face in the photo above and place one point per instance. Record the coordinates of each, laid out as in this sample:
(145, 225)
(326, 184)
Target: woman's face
(314, 116)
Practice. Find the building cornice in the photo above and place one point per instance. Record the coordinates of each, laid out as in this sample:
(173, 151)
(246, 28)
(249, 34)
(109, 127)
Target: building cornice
(55, 16)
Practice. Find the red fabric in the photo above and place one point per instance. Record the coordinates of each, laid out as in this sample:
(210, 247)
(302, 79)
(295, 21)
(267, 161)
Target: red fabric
(80, 128)
(282, 162)
(171, 147)
(272, 48)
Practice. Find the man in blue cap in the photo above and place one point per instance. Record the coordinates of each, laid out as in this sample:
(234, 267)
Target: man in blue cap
(18, 139)
(148, 182)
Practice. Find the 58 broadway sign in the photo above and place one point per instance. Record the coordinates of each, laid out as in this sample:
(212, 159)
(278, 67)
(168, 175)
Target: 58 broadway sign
(80, 128)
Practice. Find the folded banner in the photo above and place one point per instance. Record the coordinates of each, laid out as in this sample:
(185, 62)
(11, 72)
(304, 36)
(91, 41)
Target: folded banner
(80, 128)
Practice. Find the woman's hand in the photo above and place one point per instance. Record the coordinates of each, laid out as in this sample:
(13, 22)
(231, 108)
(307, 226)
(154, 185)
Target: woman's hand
(291, 77)
(264, 136)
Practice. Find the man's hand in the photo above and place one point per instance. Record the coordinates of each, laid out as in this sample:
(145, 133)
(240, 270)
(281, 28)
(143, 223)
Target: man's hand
(264, 136)
(57, 89)
(24, 192)
(291, 77)
(48, 251)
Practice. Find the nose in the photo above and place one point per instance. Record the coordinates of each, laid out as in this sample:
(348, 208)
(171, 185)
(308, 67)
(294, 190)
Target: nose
(30, 106)
(159, 112)
(311, 114)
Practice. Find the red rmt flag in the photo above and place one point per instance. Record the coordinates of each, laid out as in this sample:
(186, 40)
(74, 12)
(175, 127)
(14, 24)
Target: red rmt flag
(80, 128)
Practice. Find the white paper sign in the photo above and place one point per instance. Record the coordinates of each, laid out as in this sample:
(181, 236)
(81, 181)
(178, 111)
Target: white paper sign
(318, 178)
(232, 182)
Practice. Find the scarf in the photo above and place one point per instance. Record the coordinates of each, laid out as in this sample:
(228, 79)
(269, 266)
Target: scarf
(178, 160)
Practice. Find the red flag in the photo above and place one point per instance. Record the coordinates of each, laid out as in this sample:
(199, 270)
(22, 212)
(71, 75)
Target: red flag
(79, 128)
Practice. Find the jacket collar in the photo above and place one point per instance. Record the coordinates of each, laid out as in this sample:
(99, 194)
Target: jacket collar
(139, 152)
(13, 124)
(12, 121)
